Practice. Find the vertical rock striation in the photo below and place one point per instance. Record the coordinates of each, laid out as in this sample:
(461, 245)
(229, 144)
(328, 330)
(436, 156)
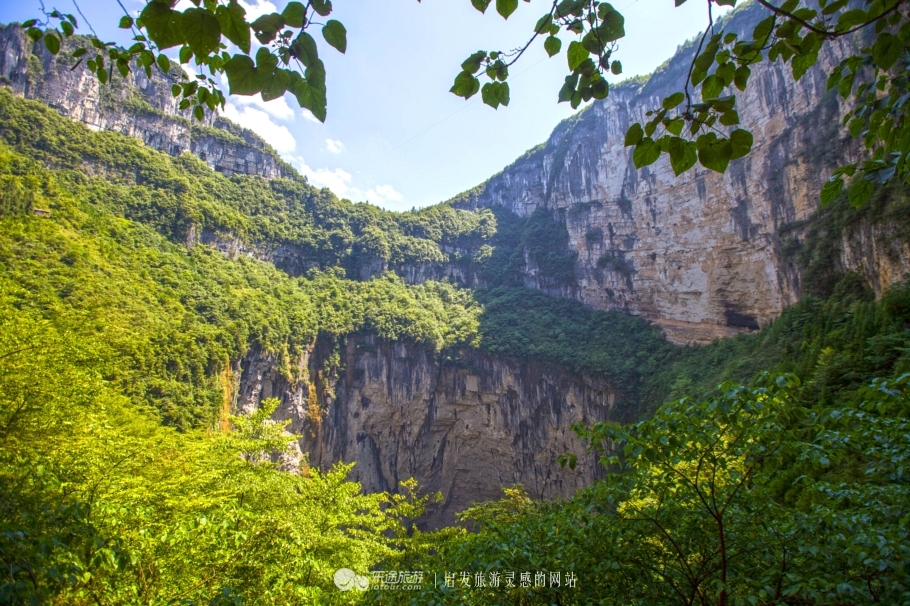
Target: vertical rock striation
(139, 107)
(465, 427)
(698, 254)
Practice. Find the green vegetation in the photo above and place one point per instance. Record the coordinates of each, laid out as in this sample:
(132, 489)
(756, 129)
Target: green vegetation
(103, 504)
(625, 350)
(127, 481)
(177, 316)
(748, 497)
(176, 195)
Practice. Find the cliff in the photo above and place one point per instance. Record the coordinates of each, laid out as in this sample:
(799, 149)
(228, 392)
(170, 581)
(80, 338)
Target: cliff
(700, 255)
(138, 106)
(465, 424)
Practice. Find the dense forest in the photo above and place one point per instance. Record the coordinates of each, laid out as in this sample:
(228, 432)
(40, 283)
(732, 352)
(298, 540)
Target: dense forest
(770, 468)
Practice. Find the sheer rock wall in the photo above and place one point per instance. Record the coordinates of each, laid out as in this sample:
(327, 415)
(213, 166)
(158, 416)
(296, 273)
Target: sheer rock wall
(139, 107)
(465, 427)
(699, 254)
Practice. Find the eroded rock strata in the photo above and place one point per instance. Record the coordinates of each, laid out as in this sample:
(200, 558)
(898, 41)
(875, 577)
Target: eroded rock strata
(141, 107)
(464, 425)
(699, 254)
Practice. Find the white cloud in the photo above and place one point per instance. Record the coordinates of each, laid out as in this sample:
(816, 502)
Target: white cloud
(257, 8)
(334, 145)
(261, 123)
(277, 108)
(339, 181)
(383, 193)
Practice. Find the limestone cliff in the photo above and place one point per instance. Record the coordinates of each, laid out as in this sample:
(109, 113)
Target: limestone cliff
(466, 424)
(699, 254)
(139, 107)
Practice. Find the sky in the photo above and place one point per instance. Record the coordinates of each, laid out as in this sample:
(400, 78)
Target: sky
(394, 135)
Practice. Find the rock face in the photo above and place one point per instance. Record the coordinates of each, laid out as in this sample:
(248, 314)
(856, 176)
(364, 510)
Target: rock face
(465, 427)
(699, 254)
(141, 107)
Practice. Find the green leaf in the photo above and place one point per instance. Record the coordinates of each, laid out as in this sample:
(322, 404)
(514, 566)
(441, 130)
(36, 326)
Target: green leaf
(726, 72)
(616, 68)
(859, 193)
(315, 75)
(730, 118)
(294, 14)
(164, 63)
(600, 89)
(504, 96)
(490, 94)
(202, 31)
(311, 98)
(683, 155)
(126, 22)
(741, 77)
(741, 142)
(850, 19)
(886, 50)
(186, 53)
(634, 135)
(706, 58)
(199, 113)
(52, 42)
(675, 126)
(243, 78)
(543, 24)
(831, 189)
(336, 35)
(304, 48)
(232, 19)
(570, 7)
(646, 152)
(673, 100)
(845, 86)
(713, 153)
(576, 55)
(466, 85)
(801, 64)
(567, 92)
(164, 25)
(480, 5)
(275, 84)
(712, 87)
(323, 8)
(612, 27)
(552, 44)
(267, 26)
(472, 63)
(506, 7)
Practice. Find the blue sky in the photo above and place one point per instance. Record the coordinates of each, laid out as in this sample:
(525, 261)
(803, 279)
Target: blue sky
(394, 135)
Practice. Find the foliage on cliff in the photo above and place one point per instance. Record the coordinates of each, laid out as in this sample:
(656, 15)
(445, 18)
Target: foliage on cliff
(103, 504)
(180, 196)
(176, 316)
(749, 497)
